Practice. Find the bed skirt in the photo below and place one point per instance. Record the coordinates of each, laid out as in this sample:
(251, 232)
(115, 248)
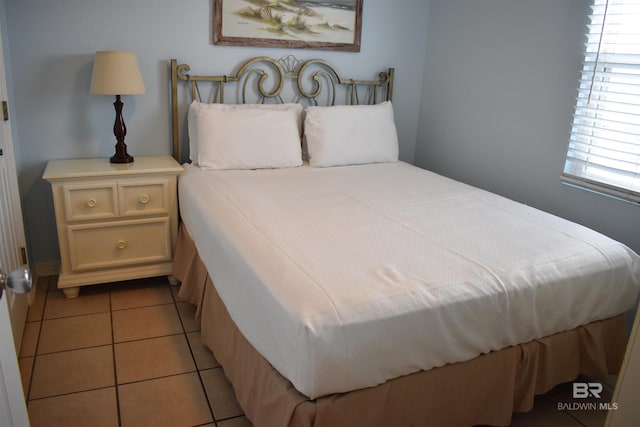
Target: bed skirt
(485, 390)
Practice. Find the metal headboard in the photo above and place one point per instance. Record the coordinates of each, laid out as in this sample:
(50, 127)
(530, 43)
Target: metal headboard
(263, 80)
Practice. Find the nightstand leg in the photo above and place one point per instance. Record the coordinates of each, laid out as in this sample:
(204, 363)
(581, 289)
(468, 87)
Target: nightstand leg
(172, 280)
(71, 292)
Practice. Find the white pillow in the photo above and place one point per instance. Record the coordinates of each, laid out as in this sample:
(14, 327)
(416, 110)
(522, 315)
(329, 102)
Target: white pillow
(245, 136)
(196, 108)
(350, 134)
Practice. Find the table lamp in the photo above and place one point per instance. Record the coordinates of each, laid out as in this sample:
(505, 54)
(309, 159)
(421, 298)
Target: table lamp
(117, 73)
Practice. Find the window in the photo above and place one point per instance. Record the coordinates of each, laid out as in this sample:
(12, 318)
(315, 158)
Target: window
(604, 147)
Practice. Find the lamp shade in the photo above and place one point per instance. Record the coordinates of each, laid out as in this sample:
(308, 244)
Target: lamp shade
(116, 72)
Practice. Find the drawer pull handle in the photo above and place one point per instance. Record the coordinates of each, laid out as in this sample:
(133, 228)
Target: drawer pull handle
(122, 244)
(144, 199)
(91, 203)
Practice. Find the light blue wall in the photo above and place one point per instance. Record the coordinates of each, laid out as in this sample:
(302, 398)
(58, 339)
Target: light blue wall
(500, 82)
(51, 47)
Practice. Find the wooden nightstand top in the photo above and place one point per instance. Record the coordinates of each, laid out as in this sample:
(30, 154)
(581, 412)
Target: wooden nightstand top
(101, 167)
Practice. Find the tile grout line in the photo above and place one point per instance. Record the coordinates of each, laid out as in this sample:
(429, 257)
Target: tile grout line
(35, 351)
(148, 338)
(73, 349)
(159, 378)
(113, 355)
(69, 393)
(195, 362)
(145, 306)
(76, 315)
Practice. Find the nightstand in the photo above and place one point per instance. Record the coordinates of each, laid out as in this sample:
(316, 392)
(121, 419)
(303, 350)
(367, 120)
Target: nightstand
(115, 221)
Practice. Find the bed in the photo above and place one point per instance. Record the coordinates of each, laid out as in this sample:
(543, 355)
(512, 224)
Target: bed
(339, 286)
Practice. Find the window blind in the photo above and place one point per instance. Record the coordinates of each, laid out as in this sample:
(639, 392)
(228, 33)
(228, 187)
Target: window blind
(604, 146)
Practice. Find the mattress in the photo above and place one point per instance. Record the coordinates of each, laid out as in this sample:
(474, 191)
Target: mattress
(485, 390)
(343, 278)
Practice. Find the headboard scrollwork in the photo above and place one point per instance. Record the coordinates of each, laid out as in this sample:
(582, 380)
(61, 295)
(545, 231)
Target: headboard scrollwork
(264, 79)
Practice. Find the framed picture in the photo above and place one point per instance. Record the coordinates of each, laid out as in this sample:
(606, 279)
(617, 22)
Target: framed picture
(302, 24)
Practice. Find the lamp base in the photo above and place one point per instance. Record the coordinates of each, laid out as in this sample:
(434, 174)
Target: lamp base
(117, 158)
(120, 131)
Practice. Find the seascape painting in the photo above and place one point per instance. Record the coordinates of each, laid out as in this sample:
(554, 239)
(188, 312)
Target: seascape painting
(315, 24)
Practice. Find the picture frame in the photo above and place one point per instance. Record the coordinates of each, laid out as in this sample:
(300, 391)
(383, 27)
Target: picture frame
(308, 24)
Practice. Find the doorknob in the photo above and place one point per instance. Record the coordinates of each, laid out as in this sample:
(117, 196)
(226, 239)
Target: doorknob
(19, 280)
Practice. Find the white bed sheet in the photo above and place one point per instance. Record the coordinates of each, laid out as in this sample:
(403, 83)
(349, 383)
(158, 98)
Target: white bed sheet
(345, 277)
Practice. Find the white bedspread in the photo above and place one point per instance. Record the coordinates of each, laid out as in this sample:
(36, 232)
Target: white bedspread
(345, 277)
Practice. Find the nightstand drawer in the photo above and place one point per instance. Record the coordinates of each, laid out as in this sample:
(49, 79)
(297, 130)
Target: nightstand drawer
(90, 201)
(117, 244)
(143, 198)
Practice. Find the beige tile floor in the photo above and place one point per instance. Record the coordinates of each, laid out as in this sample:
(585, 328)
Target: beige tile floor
(121, 354)
(129, 354)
